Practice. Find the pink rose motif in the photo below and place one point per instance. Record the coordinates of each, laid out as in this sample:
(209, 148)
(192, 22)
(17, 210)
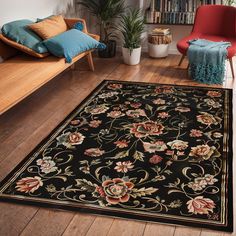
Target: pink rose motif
(195, 133)
(200, 205)
(155, 159)
(170, 153)
(76, 138)
(115, 190)
(29, 184)
(95, 123)
(202, 151)
(214, 94)
(180, 153)
(75, 122)
(135, 105)
(115, 114)
(159, 101)
(164, 89)
(163, 115)
(208, 119)
(124, 166)
(114, 86)
(94, 152)
(121, 143)
(147, 128)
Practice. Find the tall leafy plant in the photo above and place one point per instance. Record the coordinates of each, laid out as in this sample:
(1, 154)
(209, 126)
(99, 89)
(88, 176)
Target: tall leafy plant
(132, 27)
(107, 12)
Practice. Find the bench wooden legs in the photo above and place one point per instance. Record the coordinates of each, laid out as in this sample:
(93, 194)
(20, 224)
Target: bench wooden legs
(232, 66)
(181, 60)
(90, 61)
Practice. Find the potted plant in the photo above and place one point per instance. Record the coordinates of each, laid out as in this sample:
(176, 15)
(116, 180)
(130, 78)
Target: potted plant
(108, 13)
(132, 27)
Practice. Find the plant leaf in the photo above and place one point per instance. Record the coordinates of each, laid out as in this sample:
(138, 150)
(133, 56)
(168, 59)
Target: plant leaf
(161, 108)
(86, 185)
(121, 155)
(138, 156)
(143, 192)
(148, 107)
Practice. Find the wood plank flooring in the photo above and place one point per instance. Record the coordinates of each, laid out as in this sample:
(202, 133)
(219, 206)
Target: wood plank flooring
(26, 124)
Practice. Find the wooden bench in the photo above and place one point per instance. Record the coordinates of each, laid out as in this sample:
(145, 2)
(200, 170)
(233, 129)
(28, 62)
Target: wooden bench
(21, 74)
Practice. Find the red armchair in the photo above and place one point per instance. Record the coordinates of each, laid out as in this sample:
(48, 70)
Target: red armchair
(215, 23)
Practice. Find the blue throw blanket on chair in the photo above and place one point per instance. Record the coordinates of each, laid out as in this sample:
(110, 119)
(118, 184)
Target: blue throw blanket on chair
(207, 60)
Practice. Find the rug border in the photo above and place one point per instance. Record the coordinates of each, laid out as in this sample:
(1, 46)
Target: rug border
(229, 192)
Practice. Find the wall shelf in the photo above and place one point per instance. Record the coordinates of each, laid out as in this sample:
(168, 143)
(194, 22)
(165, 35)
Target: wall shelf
(173, 12)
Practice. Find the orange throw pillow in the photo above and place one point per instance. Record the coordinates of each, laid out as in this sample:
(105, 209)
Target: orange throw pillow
(49, 27)
(22, 47)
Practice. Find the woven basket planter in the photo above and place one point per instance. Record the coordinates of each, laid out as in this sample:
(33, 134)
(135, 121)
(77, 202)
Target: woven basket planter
(158, 45)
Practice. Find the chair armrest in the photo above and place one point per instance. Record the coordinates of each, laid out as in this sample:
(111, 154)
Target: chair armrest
(71, 21)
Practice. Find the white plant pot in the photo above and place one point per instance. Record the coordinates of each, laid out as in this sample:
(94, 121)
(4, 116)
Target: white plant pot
(132, 58)
(158, 51)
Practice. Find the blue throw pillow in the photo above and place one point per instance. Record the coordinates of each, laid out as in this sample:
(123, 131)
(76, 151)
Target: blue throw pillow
(19, 32)
(78, 26)
(71, 43)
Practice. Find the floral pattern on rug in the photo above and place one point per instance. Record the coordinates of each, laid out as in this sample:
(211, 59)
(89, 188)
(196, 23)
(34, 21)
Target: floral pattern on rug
(133, 147)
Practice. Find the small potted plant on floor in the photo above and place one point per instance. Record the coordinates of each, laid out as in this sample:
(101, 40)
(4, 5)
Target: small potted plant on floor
(108, 13)
(132, 27)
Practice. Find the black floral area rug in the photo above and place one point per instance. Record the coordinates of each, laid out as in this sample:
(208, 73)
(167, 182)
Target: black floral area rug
(141, 151)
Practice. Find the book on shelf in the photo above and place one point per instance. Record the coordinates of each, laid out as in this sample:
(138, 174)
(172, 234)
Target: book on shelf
(175, 11)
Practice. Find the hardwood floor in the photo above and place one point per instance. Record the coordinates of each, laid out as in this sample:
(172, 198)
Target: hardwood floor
(26, 124)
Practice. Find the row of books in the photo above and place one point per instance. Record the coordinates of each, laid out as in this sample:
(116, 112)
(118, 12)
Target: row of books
(170, 17)
(180, 5)
(175, 11)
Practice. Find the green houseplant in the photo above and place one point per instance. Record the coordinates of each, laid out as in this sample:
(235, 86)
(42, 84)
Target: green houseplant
(108, 13)
(132, 27)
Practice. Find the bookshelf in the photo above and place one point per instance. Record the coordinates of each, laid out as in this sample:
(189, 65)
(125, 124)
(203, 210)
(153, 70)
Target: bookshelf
(173, 12)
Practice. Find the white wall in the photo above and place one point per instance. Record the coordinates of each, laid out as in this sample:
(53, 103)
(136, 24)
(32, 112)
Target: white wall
(31, 9)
